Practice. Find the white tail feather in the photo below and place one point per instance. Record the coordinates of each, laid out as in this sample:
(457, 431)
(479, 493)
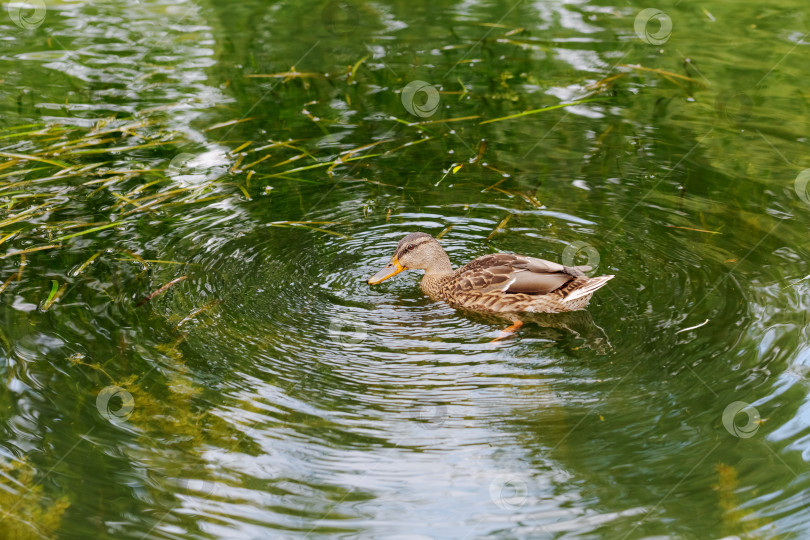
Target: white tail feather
(589, 288)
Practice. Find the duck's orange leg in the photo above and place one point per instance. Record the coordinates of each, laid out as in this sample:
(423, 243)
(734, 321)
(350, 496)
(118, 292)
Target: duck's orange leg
(508, 331)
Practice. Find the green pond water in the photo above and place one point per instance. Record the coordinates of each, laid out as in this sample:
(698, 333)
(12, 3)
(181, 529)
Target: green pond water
(193, 194)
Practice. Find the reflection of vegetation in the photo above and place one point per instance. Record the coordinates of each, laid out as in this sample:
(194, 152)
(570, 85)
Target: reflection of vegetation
(175, 428)
(736, 519)
(170, 407)
(24, 511)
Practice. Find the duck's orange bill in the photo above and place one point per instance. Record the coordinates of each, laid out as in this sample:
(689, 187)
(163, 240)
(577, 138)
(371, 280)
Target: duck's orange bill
(391, 269)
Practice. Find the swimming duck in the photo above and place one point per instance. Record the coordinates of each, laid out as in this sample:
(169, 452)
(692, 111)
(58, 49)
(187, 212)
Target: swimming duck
(502, 283)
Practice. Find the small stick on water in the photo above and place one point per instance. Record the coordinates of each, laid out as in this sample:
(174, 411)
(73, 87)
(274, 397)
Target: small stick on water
(228, 123)
(496, 184)
(350, 153)
(482, 147)
(196, 312)
(445, 231)
(9, 235)
(500, 226)
(85, 264)
(254, 163)
(283, 75)
(7, 282)
(237, 163)
(505, 174)
(543, 109)
(23, 263)
(412, 143)
(445, 121)
(24, 157)
(240, 148)
(662, 72)
(531, 199)
(92, 230)
(353, 72)
(147, 206)
(161, 290)
(29, 250)
(693, 229)
(153, 261)
(144, 264)
(294, 158)
(693, 327)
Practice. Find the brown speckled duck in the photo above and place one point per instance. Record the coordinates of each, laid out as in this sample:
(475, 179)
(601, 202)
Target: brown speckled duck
(501, 283)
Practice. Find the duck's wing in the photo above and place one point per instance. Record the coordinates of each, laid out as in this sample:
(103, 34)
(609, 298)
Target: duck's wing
(509, 273)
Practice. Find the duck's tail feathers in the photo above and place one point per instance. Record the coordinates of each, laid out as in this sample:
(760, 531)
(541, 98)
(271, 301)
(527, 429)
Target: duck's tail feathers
(588, 288)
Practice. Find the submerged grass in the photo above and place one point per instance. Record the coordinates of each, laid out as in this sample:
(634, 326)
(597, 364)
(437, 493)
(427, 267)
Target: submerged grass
(25, 511)
(73, 186)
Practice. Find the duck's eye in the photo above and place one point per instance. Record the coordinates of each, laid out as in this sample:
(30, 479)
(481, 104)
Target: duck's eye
(410, 247)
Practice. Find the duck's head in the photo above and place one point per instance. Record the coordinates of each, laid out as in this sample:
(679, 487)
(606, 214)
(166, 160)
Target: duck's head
(417, 251)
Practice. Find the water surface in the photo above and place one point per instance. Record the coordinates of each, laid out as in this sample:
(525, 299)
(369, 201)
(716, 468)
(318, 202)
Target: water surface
(254, 163)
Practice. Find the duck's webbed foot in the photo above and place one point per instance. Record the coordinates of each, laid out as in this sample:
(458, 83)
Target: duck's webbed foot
(508, 331)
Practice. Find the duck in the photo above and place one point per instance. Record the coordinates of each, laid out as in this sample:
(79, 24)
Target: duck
(501, 283)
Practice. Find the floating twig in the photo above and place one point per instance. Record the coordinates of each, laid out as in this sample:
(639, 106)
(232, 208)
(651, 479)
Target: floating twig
(482, 147)
(535, 111)
(161, 290)
(693, 327)
(121, 148)
(136, 257)
(294, 158)
(228, 123)
(30, 250)
(153, 261)
(345, 156)
(85, 264)
(240, 148)
(285, 75)
(254, 163)
(407, 144)
(7, 282)
(25, 157)
(22, 215)
(662, 72)
(196, 312)
(693, 229)
(496, 184)
(148, 206)
(94, 229)
(447, 121)
(23, 264)
(9, 235)
(308, 225)
(326, 164)
(355, 67)
(500, 226)
(445, 231)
